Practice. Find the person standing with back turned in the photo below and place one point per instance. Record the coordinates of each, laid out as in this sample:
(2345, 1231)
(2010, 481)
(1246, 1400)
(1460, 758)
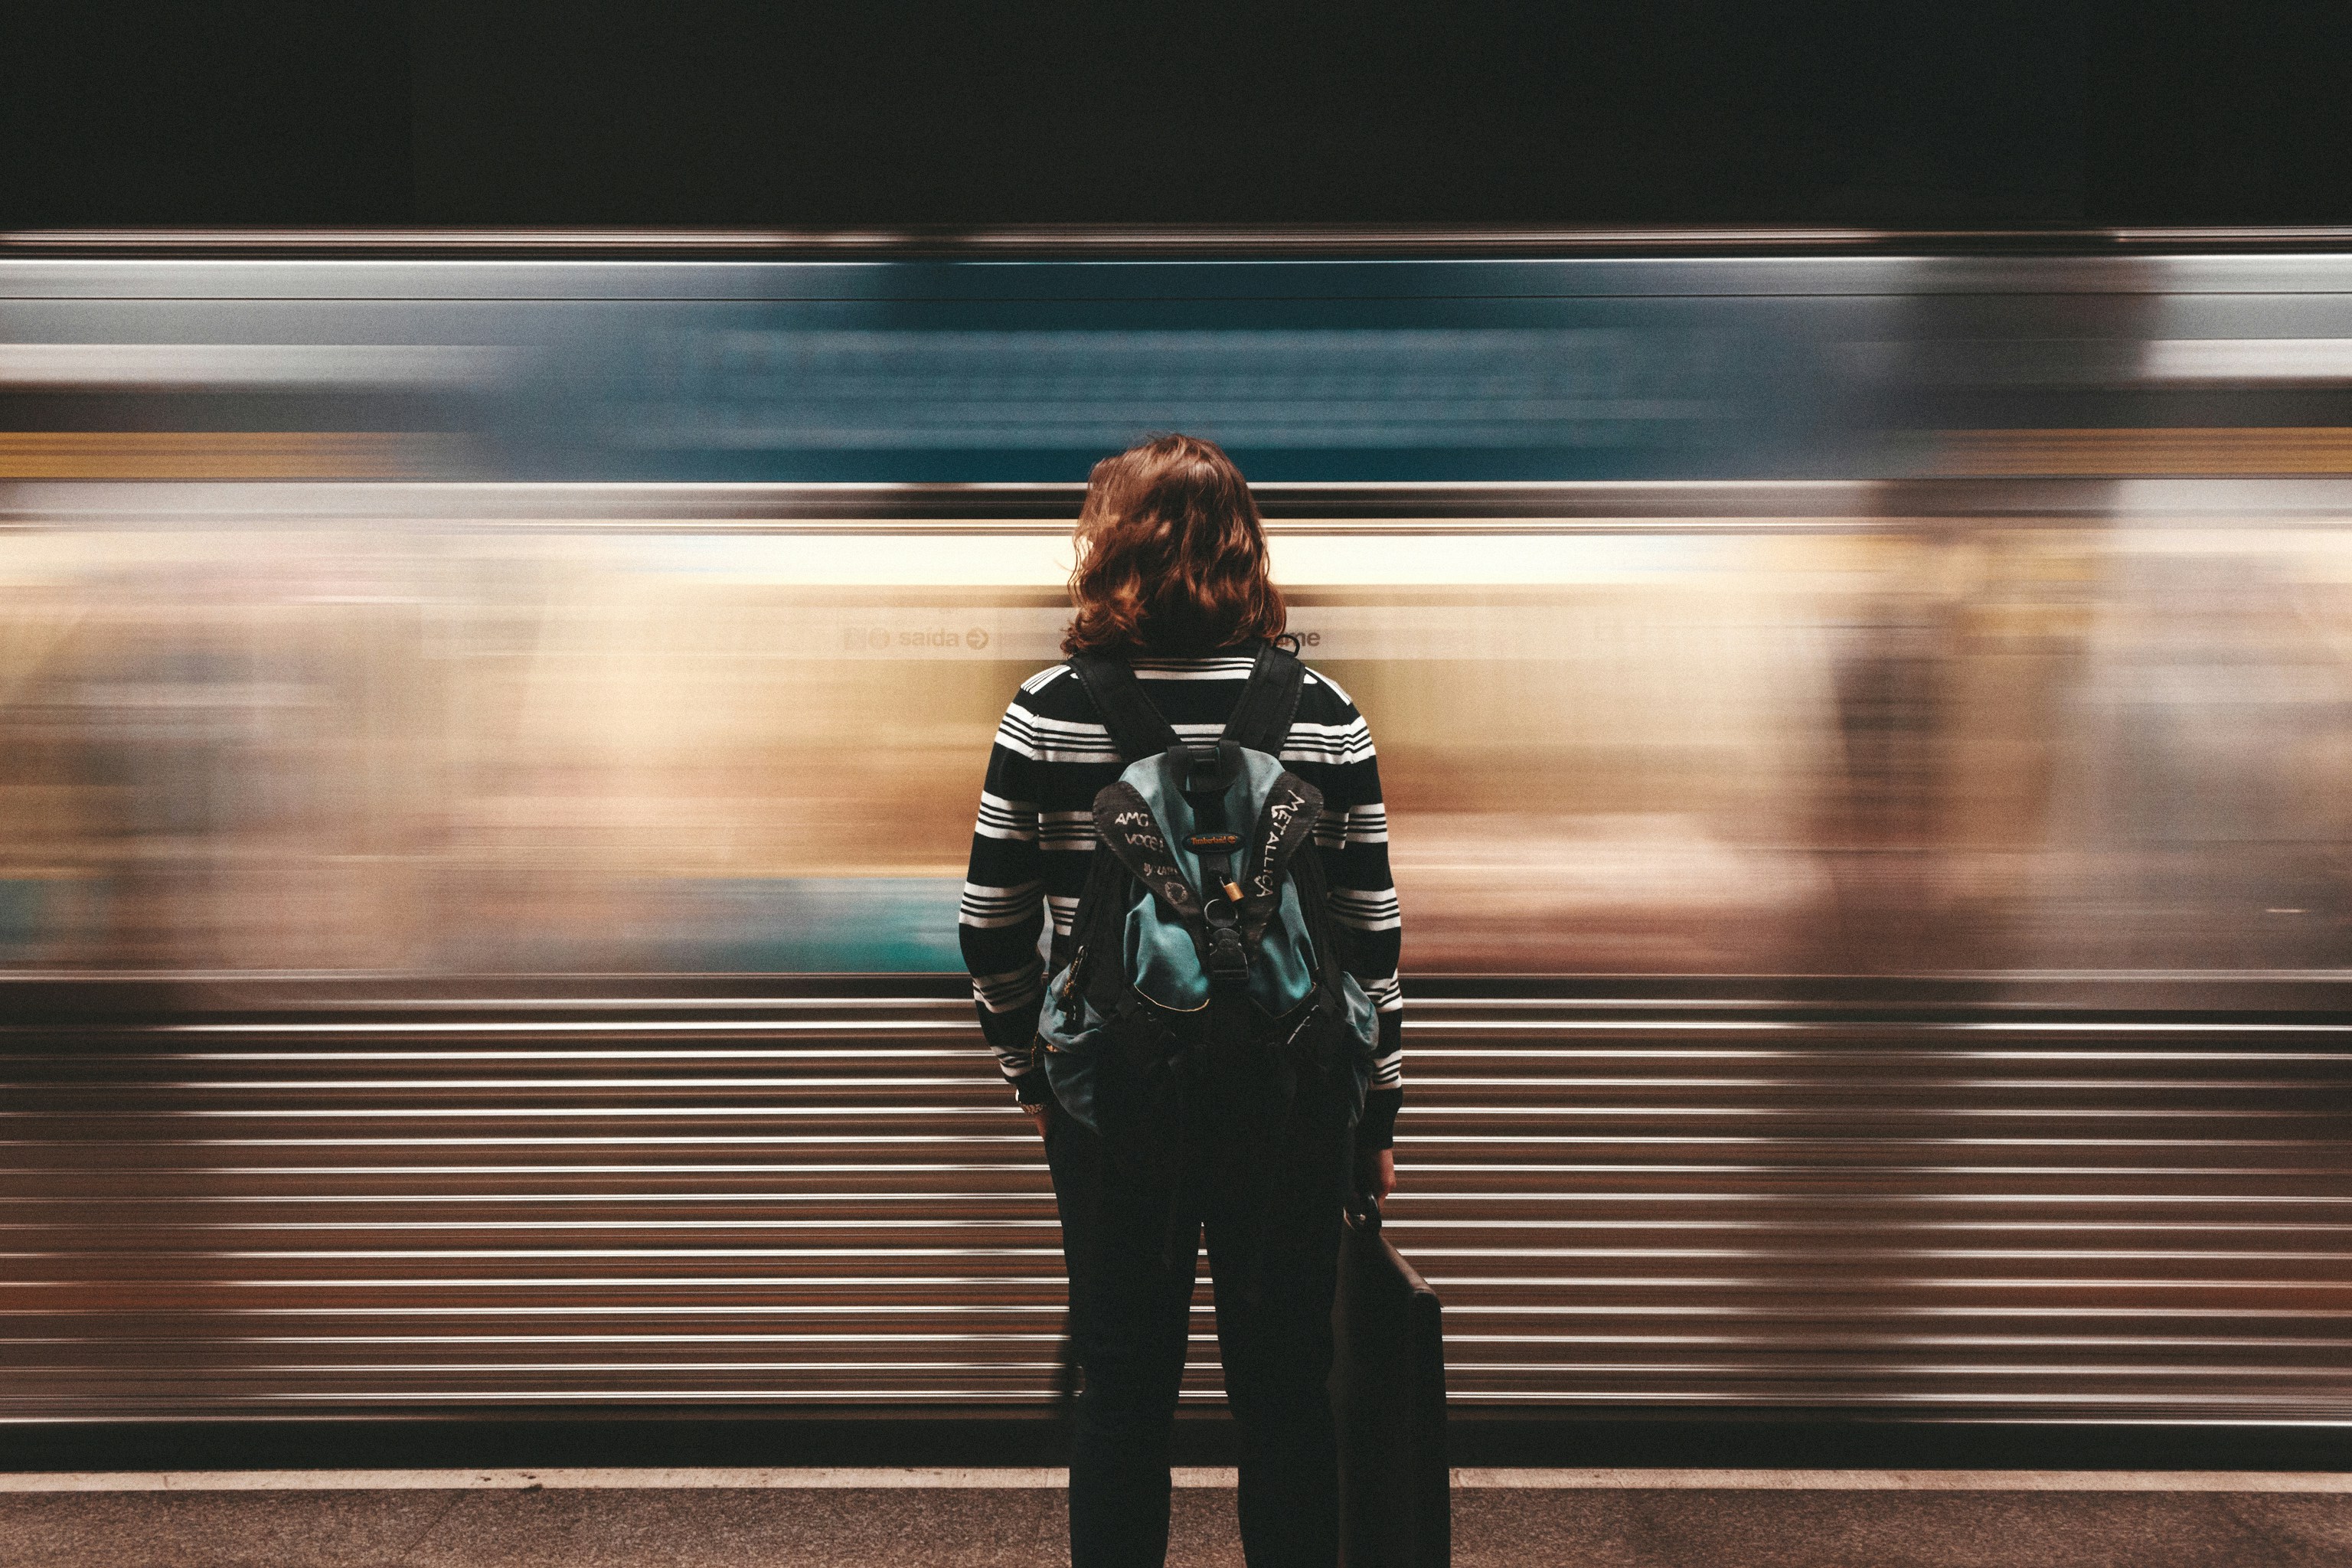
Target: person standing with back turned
(1152, 1142)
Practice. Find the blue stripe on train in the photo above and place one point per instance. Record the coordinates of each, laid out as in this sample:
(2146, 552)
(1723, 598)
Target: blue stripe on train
(811, 925)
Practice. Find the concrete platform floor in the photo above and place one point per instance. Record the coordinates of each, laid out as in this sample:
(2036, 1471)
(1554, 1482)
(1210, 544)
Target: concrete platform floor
(987, 1519)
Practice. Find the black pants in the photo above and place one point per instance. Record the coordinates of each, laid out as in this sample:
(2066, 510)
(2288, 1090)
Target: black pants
(1272, 1217)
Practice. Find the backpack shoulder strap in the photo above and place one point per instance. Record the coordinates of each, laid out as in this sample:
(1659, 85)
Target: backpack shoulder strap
(1135, 725)
(1268, 702)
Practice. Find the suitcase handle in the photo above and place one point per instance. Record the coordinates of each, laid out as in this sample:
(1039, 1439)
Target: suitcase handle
(1363, 1212)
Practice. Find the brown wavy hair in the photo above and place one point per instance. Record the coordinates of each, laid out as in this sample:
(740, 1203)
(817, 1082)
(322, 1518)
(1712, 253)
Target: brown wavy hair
(1172, 555)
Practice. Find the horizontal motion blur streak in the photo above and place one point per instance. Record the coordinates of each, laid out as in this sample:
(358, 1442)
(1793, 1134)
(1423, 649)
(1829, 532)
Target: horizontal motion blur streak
(488, 730)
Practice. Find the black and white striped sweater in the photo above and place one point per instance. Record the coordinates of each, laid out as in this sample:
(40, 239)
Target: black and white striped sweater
(1035, 837)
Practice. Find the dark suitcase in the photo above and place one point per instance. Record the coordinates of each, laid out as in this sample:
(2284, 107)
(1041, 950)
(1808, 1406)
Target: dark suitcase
(1388, 1392)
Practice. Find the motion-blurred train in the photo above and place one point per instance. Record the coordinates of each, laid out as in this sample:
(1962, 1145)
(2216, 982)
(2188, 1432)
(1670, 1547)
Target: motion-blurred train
(489, 734)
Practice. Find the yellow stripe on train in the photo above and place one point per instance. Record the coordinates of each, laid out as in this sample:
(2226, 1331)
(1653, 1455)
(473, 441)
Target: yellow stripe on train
(2125, 453)
(221, 455)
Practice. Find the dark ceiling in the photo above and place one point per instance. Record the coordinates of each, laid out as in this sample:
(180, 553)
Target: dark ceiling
(861, 112)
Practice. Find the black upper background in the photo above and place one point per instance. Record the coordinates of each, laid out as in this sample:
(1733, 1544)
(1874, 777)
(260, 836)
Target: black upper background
(842, 113)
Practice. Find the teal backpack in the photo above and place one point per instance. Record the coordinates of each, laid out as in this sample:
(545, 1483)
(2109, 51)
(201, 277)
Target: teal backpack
(1201, 991)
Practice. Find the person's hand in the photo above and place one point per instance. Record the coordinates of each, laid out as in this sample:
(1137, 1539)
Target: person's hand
(1376, 1174)
(1040, 1117)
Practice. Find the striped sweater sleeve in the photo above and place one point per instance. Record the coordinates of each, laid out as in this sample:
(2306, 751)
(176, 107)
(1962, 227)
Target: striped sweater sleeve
(1352, 838)
(1004, 908)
